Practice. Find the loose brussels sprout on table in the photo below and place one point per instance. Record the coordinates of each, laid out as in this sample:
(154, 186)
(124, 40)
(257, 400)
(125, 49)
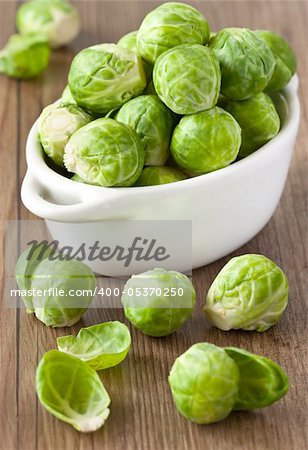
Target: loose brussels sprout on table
(195, 87)
(153, 122)
(72, 391)
(105, 76)
(57, 20)
(204, 383)
(170, 25)
(100, 346)
(158, 302)
(56, 125)
(24, 56)
(246, 62)
(249, 293)
(106, 153)
(152, 176)
(208, 382)
(44, 278)
(285, 58)
(258, 120)
(198, 148)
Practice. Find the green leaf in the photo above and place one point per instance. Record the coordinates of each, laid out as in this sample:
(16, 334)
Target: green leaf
(262, 381)
(100, 346)
(72, 391)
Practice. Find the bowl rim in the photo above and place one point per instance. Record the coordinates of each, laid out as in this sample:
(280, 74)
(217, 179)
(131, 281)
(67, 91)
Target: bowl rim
(37, 164)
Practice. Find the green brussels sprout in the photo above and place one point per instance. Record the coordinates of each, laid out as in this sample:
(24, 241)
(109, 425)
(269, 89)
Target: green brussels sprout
(285, 66)
(204, 383)
(41, 280)
(105, 76)
(101, 346)
(170, 25)
(158, 302)
(262, 381)
(152, 176)
(198, 148)
(106, 153)
(67, 98)
(249, 293)
(72, 391)
(258, 120)
(56, 125)
(153, 122)
(57, 20)
(129, 41)
(193, 88)
(246, 62)
(24, 56)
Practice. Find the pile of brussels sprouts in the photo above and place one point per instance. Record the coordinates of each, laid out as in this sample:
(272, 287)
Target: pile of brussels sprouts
(207, 382)
(167, 102)
(42, 24)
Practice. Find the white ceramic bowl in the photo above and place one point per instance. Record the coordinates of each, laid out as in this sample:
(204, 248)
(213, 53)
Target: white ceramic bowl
(227, 207)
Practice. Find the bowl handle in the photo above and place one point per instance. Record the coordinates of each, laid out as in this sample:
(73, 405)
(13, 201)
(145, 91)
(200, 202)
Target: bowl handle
(32, 195)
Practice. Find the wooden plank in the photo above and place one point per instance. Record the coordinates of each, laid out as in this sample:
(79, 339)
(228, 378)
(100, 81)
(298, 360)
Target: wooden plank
(9, 210)
(142, 413)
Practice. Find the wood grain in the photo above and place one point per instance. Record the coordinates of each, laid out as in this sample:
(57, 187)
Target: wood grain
(143, 416)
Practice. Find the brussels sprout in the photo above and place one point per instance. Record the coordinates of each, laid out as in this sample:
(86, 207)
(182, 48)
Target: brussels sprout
(153, 123)
(249, 293)
(72, 391)
(258, 120)
(246, 62)
(101, 346)
(285, 66)
(56, 125)
(151, 176)
(105, 76)
(57, 20)
(193, 88)
(67, 98)
(208, 382)
(198, 148)
(129, 41)
(204, 383)
(106, 153)
(47, 285)
(262, 381)
(24, 56)
(158, 302)
(170, 25)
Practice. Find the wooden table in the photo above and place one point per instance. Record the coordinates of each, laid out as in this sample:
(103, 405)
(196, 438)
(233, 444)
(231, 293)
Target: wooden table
(143, 416)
